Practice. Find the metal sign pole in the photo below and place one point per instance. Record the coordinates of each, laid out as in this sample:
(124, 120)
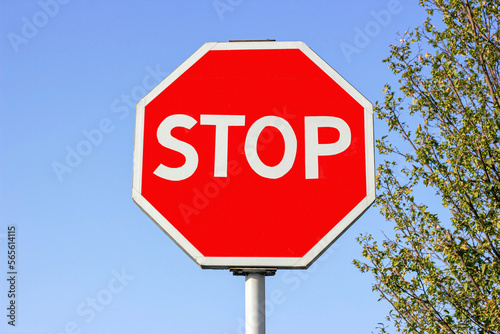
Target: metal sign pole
(255, 303)
(255, 298)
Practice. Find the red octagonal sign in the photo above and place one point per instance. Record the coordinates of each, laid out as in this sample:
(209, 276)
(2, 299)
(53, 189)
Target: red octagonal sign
(254, 154)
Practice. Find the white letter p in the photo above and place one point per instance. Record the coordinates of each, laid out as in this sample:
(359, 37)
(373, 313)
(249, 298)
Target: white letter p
(313, 149)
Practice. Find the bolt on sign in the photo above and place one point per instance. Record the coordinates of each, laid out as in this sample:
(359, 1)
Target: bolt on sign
(254, 154)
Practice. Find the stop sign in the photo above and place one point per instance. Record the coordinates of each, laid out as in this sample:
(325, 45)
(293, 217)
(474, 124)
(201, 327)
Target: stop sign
(254, 154)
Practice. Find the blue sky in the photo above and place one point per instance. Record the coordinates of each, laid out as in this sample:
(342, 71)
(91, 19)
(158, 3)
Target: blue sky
(89, 260)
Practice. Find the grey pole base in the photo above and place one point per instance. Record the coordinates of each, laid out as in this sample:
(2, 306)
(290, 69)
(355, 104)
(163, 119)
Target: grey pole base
(255, 298)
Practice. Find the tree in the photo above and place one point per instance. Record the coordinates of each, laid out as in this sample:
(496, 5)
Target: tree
(440, 270)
